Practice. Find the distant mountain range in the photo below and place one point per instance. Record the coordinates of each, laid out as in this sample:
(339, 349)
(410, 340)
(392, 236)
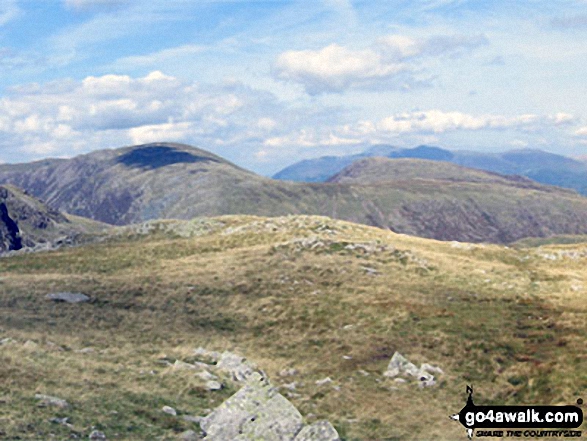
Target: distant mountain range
(543, 167)
(412, 196)
(26, 222)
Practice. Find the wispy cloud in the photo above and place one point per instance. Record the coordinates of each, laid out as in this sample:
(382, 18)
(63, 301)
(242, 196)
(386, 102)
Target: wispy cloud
(9, 10)
(392, 62)
(570, 22)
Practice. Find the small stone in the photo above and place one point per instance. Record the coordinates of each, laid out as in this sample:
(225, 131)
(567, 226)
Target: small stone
(290, 386)
(192, 419)
(169, 410)
(189, 435)
(288, 372)
(85, 351)
(68, 297)
(319, 431)
(324, 381)
(96, 435)
(47, 400)
(213, 385)
(29, 344)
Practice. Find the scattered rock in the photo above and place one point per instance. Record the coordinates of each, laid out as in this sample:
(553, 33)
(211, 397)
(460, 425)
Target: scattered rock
(206, 354)
(290, 386)
(213, 385)
(189, 435)
(97, 435)
(6, 341)
(399, 365)
(288, 372)
(85, 351)
(236, 366)
(319, 431)
(29, 344)
(324, 381)
(59, 420)
(169, 410)
(192, 419)
(68, 297)
(47, 400)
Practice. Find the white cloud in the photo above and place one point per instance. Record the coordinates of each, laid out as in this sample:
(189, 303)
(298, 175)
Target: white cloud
(168, 131)
(581, 132)
(334, 68)
(438, 121)
(393, 61)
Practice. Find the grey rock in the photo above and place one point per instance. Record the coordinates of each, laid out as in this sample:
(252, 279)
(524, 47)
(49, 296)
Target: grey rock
(319, 431)
(189, 435)
(192, 419)
(97, 435)
(206, 354)
(206, 376)
(68, 297)
(236, 366)
(324, 381)
(256, 411)
(169, 410)
(183, 365)
(213, 385)
(288, 372)
(47, 400)
(399, 365)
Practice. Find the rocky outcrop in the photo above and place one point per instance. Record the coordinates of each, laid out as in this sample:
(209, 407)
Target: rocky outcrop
(257, 411)
(9, 233)
(27, 223)
(401, 366)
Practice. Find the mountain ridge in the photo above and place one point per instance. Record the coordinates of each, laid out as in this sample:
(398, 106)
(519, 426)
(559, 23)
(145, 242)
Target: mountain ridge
(544, 167)
(174, 181)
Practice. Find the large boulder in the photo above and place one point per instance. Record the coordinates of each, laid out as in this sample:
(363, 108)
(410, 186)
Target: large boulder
(256, 411)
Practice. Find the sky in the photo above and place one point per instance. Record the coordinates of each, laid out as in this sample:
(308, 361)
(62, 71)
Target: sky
(267, 83)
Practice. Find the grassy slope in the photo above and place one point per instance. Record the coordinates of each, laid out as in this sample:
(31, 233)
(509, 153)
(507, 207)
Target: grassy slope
(510, 322)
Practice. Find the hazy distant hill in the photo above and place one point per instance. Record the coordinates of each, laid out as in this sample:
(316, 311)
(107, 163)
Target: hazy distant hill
(543, 167)
(27, 222)
(153, 181)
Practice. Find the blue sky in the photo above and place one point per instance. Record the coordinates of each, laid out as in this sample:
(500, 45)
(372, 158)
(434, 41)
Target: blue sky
(266, 83)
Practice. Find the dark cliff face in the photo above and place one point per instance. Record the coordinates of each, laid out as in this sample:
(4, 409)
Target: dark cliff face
(9, 233)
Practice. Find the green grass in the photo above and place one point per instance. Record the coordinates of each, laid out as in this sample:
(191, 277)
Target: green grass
(508, 321)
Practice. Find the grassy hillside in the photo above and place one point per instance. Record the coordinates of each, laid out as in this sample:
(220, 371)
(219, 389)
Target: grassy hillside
(432, 199)
(324, 297)
(378, 170)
